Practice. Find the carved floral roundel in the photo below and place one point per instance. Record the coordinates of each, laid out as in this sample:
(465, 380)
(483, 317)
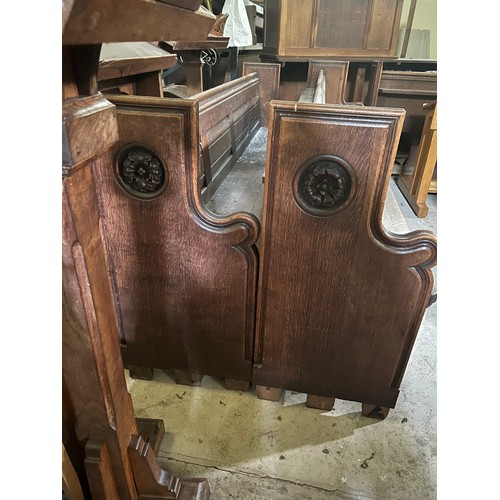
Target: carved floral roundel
(140, 171)
(324, 185)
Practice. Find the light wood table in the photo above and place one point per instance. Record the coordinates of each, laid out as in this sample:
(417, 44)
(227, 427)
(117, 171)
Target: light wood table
(415, 187)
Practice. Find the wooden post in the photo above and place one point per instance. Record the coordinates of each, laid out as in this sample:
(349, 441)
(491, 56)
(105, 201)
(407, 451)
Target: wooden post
(99, 406)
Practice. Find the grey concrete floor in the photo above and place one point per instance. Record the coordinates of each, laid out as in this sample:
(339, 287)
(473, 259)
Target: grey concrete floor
(250, 449)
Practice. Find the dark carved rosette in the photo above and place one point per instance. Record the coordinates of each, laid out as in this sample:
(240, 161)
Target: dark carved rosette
(140, 172)
(324, 185)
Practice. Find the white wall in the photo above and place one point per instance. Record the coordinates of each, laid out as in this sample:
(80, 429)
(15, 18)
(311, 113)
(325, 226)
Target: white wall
(425, 18)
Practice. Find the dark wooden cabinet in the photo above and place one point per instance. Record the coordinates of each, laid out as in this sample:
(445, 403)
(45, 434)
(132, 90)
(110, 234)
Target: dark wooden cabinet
(332, 28)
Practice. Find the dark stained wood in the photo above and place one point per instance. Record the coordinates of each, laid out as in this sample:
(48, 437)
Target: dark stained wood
(97, 408)
(340, 299)
(98, 21)
(228, 119)
(237, 385)
(152, 431)
(156, 483)
(211, 42)
(92, 367)
(140, 372)
(269, 81)
(185, 4)
(100, 471)
(346, 29)
(188, 378)
(184, 279)
(91, 362)
(320, 402)
(268, 393)
(422, 83)
(375, 72)
(190, 55)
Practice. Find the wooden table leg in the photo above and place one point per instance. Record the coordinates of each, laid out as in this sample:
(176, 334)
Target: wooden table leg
(415, 187)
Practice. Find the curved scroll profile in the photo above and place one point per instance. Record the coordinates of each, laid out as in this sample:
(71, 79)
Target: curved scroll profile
(184, 279)
(340, 299)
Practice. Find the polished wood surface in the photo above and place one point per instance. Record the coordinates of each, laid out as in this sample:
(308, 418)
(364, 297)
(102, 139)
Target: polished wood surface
(332, 28)
(184, 279)
(98, 417)
(340, 299)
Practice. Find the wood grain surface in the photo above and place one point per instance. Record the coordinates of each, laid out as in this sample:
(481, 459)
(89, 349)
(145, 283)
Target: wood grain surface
(228, 119)
(269, 82)
(99, 21)
(340, 299)
(184, 279)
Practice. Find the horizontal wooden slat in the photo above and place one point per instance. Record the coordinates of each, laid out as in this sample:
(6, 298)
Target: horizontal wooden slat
(99, 21)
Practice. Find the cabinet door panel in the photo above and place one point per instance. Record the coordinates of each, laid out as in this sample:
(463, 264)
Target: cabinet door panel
(342, 26)
(299, 27)
(381, 28)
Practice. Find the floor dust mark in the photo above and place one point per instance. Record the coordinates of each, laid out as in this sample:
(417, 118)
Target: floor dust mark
(364, 464)
(326, 451)
(404, 420)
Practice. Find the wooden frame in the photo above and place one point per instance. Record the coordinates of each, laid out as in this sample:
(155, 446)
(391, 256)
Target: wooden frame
(332, 28)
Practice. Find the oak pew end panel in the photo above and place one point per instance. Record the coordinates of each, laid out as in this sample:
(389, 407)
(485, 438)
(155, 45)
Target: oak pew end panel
(184, 279)
(98, 415)
(340, 298)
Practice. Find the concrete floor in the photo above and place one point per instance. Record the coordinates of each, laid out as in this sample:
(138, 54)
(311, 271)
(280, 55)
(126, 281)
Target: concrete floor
(253, 449)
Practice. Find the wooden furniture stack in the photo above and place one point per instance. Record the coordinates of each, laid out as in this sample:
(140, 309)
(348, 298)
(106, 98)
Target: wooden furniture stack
(195, 305)
(112, 453)
(329, 303)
